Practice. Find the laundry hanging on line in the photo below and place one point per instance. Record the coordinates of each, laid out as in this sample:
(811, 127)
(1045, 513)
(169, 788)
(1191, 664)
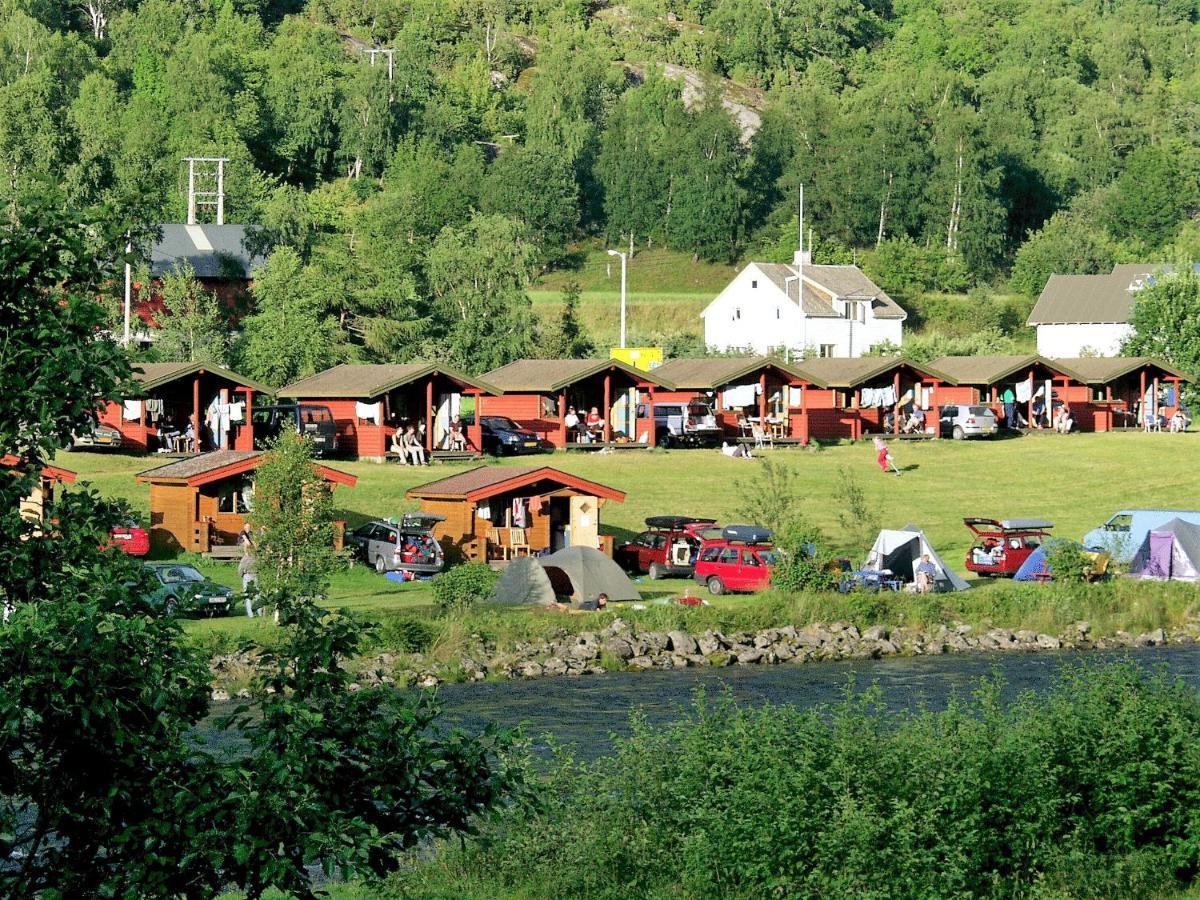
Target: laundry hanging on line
(369, 412)
(132, 410)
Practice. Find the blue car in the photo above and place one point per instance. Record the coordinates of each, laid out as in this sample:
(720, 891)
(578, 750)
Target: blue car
(502, 436)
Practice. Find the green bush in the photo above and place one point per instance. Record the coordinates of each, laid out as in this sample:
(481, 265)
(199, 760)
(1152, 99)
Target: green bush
(407, 634)
(1067, 561)
(803, 561)
(1090, 789)
(462, 587)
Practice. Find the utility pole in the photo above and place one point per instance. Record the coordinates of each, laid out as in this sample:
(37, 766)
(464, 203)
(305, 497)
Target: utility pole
(212, 168)
(624, 259)
(128, 288)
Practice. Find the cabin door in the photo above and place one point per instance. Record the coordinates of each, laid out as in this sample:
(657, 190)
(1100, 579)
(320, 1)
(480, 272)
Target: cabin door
(585, 524)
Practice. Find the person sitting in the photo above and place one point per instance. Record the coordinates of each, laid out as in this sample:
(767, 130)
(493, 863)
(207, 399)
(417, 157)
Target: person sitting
(571, 420)
(916, 421)
(1039, 411)
(926, 575)
(458, 437)
(889, 420)
(398, 440)
(1178, 421)
(595, 424)
(1063, 422)
(412, 447)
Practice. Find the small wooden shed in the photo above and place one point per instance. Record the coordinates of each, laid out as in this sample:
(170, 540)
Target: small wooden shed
(201, 502)
(171, 395)
(498, 512)
(368, 402)
(33, 506)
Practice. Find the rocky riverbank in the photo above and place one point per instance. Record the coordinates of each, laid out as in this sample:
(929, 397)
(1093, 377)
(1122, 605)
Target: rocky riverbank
(620, 647)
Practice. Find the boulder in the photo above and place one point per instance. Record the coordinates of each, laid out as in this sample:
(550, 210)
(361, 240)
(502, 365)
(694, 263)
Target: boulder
(1049, 642)
(709, 643)
(529, 670)
(655, 641)
(749, 657)
(876, 633)
(620, 648)
(682, 643)
(554, 666)
(641, 662)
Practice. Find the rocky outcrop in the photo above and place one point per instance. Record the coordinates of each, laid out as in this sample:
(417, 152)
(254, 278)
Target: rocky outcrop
(619, 646)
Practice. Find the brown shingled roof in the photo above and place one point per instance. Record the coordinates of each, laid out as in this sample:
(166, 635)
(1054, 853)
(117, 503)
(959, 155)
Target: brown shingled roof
(486, 481)
(852, 372)
(986, 370)
(221, 463)
(363, 382)
(710, 373)
(1103, 369)
(547, 375)
(148, 376)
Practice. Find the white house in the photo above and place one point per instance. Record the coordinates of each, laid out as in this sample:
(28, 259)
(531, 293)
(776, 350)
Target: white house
(839, 313)
(1088, 315)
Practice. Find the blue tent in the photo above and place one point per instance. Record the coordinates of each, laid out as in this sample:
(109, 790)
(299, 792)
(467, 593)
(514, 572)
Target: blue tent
(1034, 565)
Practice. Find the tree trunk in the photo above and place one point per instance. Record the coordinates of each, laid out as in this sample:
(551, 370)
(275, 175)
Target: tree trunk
(956, 202)
(887, 195)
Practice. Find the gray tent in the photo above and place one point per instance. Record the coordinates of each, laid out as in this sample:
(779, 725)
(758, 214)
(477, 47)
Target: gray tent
(1169, 552)
(584, 573)
(899, 551)
(523, 582)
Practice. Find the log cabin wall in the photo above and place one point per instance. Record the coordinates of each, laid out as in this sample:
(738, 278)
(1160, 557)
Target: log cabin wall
(173, 512)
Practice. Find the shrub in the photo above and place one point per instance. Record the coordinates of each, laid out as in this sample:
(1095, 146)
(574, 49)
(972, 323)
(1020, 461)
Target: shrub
(462, 587)
(1067, 561)
(803, 563)
(407, 634)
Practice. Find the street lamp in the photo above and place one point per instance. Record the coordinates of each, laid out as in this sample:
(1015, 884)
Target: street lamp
(624, 259)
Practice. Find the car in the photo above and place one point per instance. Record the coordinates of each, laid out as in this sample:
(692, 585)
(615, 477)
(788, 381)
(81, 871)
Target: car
(180, 589)
(101, 437)
(739, 560)
(130, 537)
(1122, 535)
(404, 546)
(680, 424)
(668, 548)
(961, 421)
(1002, 545)
(501, 435)
(309, 420)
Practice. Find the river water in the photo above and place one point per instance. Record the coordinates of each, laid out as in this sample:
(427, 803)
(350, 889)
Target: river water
(585, 712)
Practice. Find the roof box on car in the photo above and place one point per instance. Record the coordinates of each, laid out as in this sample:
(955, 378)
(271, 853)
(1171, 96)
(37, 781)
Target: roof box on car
(672, 523)
(747, 534)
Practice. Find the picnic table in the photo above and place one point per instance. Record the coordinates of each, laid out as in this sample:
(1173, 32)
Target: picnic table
(871, 580)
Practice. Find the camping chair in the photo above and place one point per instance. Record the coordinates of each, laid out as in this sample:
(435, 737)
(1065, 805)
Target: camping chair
(744, 427)
(779, 428)
(762, 436)
(518, 542)
(495, 537)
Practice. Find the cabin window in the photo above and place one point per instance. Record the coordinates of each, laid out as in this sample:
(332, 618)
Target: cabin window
(737, 313)
(826, 350)
(236, 497)
(778, 313)
(754, 283)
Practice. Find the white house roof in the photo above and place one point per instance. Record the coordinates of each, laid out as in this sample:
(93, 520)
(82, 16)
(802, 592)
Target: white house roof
(824, 284)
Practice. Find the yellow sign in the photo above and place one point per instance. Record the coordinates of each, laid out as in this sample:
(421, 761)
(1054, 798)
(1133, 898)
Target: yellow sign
(645, 358)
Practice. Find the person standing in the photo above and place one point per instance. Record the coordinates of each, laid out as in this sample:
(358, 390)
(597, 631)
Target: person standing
(248, 568)
(1010, 408)
(884, 457)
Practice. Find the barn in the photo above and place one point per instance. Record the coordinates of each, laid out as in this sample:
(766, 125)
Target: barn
(498, 512)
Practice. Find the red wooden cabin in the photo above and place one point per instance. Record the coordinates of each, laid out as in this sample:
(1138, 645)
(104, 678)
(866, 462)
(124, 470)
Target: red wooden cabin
(984, 379)
(855, 394)
(1116, 392)
(369, 402)
(169, 396)
(742, 389)
(537, 393)
(33, 506)
(201, 502)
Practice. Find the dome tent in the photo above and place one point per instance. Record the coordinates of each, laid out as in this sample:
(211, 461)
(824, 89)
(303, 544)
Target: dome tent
(584, 573)
(899, 551)
(523, 583)
(1169, 553)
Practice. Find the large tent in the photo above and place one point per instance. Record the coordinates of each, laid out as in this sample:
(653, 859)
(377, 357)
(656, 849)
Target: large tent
(1169, 552)
(523, 583)
(899, 551)
(583, 573)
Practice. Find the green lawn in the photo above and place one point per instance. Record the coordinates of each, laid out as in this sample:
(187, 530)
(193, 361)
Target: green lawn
(1076, 481)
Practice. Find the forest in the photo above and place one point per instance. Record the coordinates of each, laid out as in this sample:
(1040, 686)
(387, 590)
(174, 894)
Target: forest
(416, 164)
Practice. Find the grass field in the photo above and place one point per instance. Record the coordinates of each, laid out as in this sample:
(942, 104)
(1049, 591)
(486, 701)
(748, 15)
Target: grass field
(1076, 481)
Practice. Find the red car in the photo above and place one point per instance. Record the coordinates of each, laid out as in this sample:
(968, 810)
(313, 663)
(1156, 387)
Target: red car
(130, 538)
(1003, 545)
(740, 560)
(668, 548)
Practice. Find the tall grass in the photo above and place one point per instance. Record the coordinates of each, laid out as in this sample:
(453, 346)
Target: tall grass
(1090, 790)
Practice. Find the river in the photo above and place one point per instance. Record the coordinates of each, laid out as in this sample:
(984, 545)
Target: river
(585, 712)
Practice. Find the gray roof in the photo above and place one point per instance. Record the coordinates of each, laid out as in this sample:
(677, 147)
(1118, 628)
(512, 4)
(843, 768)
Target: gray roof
(548, 375)
(832, 282)
(989, 370)
(710, 373)
(360, 381)
(214, 251)
(149, 376)
(843, 372)
(202, 464)
(1103, 369)
(1091, 299)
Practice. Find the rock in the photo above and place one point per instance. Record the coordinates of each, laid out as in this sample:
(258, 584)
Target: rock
(529, 670)
(749, 657)
(813, 638)
(698, 660)
(765, 639)
(720, 658)
(427, 681)
(641, 662)
(876, 633)
(887, 648)
(708, 643)
(584, 651)
(783, 653)
(554, 666)
(1082, 628)
(851, 632)
(963, 629)
(656, 641)
(220, 695)
(620, 648)
(1049, 642)
(682, 643)
(1158, 636)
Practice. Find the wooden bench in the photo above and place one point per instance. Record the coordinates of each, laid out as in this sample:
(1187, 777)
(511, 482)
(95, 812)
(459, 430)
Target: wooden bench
(224, 551)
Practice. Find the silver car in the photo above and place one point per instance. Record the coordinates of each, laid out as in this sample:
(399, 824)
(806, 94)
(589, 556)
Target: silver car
(961, 421)
(404, 546)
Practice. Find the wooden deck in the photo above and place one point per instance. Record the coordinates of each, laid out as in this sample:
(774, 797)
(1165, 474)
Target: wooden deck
(608, 445)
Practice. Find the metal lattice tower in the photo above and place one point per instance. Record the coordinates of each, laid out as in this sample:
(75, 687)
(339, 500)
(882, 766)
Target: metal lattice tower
(206, 186)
